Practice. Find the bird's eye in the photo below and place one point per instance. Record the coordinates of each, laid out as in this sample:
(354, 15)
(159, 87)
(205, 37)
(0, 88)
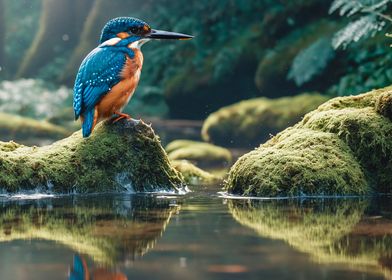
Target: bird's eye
(134, 29)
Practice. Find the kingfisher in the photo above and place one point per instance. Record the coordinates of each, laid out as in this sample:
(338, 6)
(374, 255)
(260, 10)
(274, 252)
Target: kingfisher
(110, 73)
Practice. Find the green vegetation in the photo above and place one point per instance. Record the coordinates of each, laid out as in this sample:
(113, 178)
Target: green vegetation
(201, 153)
(252, 121)
(102, 233)
(341, 148)
(330, 231)
(117, 157)
(242, 49)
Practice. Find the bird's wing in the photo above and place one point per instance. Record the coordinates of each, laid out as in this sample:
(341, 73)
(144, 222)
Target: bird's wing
(98, 73)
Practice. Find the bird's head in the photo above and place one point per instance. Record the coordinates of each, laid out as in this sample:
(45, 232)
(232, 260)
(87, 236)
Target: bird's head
(136, 29)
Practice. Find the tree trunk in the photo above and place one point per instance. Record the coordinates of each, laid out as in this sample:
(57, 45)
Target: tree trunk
(101, 12)
(2, 37)
(58, 32)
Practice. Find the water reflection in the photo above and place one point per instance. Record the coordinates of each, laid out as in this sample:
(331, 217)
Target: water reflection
(353, 232)
(105, 229)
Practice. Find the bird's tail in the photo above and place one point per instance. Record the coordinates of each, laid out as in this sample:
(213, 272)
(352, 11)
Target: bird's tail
(88, 123)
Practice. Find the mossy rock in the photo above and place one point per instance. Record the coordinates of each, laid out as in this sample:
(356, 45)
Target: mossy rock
(123, 156)
(249, 122)
(342, 148)
(108, 232)
(17, 128)
(332, 231)
(193, 175)
(203, 154)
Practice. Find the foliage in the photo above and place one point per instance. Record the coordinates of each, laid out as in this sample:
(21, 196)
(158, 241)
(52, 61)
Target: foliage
(33, 98)
(369, 19)
(311, 61)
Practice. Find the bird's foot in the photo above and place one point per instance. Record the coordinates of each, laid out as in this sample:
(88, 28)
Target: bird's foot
(121, 116)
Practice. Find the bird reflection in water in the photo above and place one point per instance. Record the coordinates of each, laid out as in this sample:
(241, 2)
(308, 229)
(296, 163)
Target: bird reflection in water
(80, 271)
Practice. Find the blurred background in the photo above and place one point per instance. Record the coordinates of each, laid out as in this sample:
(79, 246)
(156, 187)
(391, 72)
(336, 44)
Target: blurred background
(243, 49)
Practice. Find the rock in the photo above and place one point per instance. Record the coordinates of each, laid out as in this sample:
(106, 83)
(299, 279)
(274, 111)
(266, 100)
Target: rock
(249, 122)
(329, 231)
(117, 157)
(342, 148)
(203, 154)
(194, 175)
(28, 130)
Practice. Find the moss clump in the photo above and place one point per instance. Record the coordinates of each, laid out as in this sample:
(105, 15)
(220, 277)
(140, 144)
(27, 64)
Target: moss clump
(104, 230)
(203, 154)
(252, 121)
(192, 174)
(344, 147)
(384, 104)
(298, 162)
(330, 231)
(19, 128)
(117, 157)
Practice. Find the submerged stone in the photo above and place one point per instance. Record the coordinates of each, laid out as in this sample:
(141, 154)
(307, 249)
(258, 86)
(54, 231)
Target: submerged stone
(124, 156)
(203, 154)
(342, 148)
(194, 175)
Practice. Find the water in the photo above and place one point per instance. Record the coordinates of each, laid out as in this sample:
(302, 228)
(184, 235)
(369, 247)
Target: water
(196, 236)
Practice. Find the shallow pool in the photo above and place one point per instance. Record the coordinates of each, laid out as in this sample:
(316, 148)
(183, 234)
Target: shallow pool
(196, 236)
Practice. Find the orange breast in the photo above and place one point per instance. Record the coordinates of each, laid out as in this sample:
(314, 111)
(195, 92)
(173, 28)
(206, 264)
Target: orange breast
(118, 97)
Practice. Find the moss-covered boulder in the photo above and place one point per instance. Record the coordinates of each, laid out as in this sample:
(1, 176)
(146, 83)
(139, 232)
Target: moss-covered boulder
(252, 121)
(330, 231)
(203, 154)
(342, 148)
(123, 156)
(194, 175)
(27, 130)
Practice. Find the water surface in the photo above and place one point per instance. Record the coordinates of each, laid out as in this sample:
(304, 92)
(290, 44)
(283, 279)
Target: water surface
(196, 236)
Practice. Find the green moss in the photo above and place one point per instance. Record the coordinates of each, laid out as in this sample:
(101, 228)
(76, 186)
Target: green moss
(104, 233)
(384, 104)
(199, 152)
(298, 162)
(19, 128)
(344, 147)
(194, 175)
(329, 232)
(252, 121)
(117, 157)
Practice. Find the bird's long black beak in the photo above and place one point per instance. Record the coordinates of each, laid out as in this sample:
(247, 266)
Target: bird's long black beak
(160, 34)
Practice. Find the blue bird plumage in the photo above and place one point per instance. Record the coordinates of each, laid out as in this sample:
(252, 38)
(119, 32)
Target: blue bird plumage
(103, 68)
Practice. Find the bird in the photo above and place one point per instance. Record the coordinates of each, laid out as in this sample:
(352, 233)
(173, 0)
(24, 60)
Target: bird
(109, 74)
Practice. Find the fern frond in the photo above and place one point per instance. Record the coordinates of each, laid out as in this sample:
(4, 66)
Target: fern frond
(364, 27)
(311, 61)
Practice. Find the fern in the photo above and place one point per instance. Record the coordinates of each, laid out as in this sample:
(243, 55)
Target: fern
(369, 18)
(311, 61)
